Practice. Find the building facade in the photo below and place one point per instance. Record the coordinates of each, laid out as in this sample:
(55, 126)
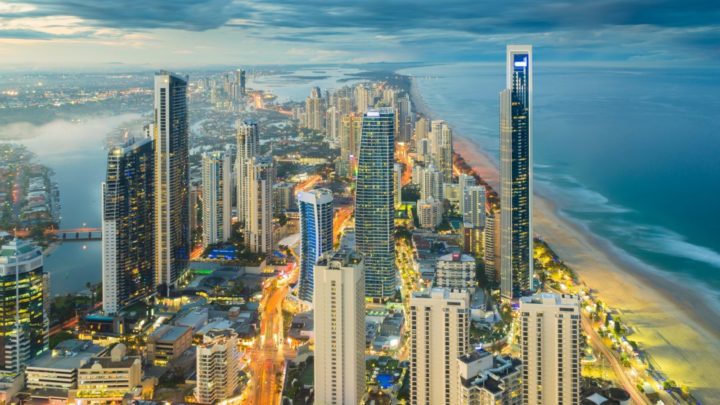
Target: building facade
(23, 309)
(316, 234)
(172, 178)
(374, 206)
(259, 215)
(430, 213)
(217, 364)
(439, 334)
(489, 380)
(216, 196)
(128, 215)
(516, 263)
(455, 271)
(550, 341)
(339, 316)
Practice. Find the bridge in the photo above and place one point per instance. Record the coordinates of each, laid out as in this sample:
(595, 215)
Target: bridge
(76, 234)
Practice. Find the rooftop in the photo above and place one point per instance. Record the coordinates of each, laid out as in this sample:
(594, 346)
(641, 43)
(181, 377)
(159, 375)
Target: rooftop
(68, 355)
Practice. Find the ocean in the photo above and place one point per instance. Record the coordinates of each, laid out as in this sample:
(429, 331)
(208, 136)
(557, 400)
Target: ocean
(630, 154)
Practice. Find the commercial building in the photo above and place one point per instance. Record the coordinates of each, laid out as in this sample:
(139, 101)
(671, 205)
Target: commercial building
(456, 271)
(172, 179)
(489, 380)
(430, 212)
(374, 206)
(316, 234)
(109, 378)
(258, 224)
(339, 316)
(217, 364)
(439, 334)
(58, 369)
(550, 342)
(128, 215)
(516, 264)
(167, 343)
(216, 195)
(248, 140)
(23, 308)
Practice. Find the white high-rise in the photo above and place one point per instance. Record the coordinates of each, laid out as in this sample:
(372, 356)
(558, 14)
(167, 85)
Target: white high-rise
(216, 191)
(441, 144)
(247, 148)
(465, 181)
(339, 302)
(259, 214)
(550, 341)
(217, 362)
(473, 210)
(439, 334)
(455, 271)
(431, 184)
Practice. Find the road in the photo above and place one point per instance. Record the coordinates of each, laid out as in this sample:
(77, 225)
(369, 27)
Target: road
(342, 214)
(597, 344)
(308, 184)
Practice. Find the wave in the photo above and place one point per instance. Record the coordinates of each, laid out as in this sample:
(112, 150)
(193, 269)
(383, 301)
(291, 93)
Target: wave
(573, 196)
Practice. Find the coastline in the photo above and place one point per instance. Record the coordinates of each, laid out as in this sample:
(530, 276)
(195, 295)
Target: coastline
(673, 324)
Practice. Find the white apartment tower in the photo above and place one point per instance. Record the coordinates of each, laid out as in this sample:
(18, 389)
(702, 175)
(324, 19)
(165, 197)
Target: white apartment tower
(550, 342)
(455, 271)
(259, 214)
(216, 192)
(473, 205)
(217, 362)
(439, 334)
(339, 301)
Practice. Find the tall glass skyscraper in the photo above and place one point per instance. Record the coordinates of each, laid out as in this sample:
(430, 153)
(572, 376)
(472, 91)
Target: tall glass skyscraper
(128, 243)
(316, 232)
(516, 173)
(172, 178)
(23, 302)
(247, 148)
(374, 206)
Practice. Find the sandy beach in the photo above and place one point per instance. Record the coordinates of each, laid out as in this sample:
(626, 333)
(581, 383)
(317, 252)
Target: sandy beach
(673, 323)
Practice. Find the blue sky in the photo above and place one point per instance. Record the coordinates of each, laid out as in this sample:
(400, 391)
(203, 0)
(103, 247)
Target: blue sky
(186, 33)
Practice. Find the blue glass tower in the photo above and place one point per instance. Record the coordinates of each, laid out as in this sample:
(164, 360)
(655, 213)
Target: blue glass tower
(516, 173)
(316, 233)
(374, 205)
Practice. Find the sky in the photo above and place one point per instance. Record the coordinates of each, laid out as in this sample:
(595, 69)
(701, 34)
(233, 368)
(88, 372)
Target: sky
(47, 34)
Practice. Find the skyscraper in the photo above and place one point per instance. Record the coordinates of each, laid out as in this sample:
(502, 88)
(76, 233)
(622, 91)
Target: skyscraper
(441, 144)
(489, 246)
(23, 317)
(439, 334)
(516, 173)
(473, 210)
(339, 302)
(216, 207)
(128, 215)
(316, 234)
(465, 181)
(374, 212)
(172, 178)
(217, 362)
(248, 139)
(258, 226)
(550, 341)
(431, 184)
(397, 183)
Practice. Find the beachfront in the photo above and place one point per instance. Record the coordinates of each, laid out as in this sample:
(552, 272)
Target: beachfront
(672, 323)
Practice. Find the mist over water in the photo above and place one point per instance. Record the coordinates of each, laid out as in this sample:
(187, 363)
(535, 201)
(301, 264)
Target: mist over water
(75, 150)
(630, 154)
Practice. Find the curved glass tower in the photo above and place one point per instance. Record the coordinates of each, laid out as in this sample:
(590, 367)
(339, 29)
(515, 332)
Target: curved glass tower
(316, 232)
(374, 205)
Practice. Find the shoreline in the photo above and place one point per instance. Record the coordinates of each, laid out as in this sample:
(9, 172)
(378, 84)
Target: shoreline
(671, 322)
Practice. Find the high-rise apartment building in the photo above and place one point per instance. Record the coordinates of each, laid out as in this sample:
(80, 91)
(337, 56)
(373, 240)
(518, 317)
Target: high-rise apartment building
(397, 183)
(363, 99)
(455, 271)
(339, 316)
(441, 145)
(172, 178)
(217, 363)
(516, 173)
(430, 212)
(248, 141)
(490, 246)
(439, 334)
(128, 217)
(473, 209)
(374, 211)
(216, 192)
(431, 183)
(259, 215)
(23, 309)
(550, 341)
(465, 181)
(421, 129)
(316, 234)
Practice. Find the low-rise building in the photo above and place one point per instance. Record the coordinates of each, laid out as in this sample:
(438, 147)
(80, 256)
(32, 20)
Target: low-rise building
(485, 379)
(455, 271)
(109, 378)
(217, 364)
(167, 343)
(58, 369)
